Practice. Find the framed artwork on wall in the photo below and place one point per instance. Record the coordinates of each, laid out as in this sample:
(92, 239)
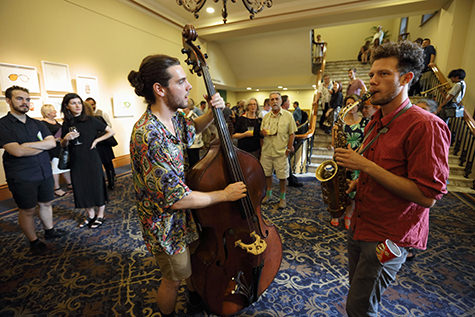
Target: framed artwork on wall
(56, 102)
(122, 105)
(56, 77)
(19, 75)
(87, 87)
(4, 107)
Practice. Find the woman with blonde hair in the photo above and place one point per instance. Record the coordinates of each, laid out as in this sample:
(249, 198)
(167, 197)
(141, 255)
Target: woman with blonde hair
(49, 114)
(247, 129)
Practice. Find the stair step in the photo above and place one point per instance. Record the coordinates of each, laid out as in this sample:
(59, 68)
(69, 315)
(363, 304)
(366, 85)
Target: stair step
(460, 189)
(458, 180)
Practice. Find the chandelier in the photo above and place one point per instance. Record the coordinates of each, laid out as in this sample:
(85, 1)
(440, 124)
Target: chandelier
(253, 6)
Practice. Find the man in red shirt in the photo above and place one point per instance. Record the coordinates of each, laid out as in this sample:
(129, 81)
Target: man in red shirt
(404, 170)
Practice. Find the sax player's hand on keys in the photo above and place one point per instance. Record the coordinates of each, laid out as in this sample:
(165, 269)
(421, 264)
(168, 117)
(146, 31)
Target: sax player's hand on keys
(351, 159)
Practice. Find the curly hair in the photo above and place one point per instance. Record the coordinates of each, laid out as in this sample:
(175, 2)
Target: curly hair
(153, 69)
(410, 56)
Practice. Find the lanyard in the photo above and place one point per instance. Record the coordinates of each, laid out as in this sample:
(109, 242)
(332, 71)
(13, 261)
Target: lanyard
(384, 129)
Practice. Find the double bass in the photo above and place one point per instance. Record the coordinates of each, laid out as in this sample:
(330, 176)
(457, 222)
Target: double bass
(238, 254)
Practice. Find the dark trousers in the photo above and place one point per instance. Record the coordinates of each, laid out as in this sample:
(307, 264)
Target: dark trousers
(368, 277)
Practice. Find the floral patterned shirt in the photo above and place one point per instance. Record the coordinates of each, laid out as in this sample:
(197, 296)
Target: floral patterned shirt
(158, 171)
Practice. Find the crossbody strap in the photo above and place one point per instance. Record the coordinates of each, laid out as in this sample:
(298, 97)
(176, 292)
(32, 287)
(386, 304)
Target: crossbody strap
(383, 130)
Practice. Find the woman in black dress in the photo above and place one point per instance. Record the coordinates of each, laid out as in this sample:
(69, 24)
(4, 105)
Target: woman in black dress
(79, 134)
(247, 129)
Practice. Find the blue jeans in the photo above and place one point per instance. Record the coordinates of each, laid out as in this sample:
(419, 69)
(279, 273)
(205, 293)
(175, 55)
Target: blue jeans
(368, 277)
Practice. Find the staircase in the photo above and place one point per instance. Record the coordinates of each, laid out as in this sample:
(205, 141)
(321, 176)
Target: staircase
(339, 71)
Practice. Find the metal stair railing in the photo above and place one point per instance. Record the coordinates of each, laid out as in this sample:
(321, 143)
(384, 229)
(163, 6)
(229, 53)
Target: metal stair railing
(462, 129)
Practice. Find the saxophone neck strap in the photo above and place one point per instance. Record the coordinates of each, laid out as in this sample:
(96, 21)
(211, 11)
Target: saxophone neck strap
(383, 130)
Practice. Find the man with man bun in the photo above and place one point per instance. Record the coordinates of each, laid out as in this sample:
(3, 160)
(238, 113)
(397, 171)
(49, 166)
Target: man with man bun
(157, 149)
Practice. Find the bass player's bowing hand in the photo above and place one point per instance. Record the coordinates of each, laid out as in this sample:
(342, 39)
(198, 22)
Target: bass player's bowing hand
(235, 191)
(352, 160)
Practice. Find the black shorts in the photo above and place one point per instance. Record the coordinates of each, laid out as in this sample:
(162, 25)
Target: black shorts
(28, 194)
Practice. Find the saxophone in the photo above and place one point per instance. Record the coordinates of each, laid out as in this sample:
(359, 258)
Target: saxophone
(331, 176)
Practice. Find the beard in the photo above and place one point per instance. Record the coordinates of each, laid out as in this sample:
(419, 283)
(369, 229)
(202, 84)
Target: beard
(21, 108)
(381, 100)
(174, 103)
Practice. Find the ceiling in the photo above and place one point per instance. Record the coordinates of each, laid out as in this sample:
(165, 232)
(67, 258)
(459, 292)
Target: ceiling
(266, 46)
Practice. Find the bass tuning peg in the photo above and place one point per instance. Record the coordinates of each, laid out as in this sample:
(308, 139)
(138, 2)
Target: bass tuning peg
(206, 56)
(184, 51)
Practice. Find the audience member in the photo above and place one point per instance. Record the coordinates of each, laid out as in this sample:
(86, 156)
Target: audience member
(356, 86)
(297, 113)
(336, 102)
(318, 49)
(98, 112)
(239, 108)
(368, 109)
(429, 59)
(323, 97)
(453, 101)
(80, 135)
(265, 108)
(379, 35)
(363, 54)
(293, 182)
(285, 102)
(27, 167)
(247, 129)
(104, 147)
(278, 129)
(193, 150)
(49, 114)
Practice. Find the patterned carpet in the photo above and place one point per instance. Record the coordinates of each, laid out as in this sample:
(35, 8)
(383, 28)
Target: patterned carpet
(108, 272)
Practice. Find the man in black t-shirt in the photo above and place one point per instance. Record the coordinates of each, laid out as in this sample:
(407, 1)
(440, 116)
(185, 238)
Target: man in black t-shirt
(27, 166)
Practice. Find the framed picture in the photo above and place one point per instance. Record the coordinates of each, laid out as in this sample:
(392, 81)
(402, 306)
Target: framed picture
(19, 75)
(122, 105)
(56, 77)
(4, 107)
(56, 102)
(35, 108)
(87, 87)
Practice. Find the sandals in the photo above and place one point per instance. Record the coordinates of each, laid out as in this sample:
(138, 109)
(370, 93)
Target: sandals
(97, 223)
(57, 194)
(335, 222)
(88, 222)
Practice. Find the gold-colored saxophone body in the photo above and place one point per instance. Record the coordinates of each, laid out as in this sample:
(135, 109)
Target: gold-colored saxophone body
(333, 177)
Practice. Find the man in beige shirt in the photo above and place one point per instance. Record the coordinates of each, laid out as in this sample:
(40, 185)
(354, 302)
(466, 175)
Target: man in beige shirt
(278, 129)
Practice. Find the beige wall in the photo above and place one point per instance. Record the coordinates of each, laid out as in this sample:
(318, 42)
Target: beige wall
(344, 41)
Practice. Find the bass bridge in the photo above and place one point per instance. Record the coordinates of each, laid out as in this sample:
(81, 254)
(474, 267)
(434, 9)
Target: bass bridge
(257, 247)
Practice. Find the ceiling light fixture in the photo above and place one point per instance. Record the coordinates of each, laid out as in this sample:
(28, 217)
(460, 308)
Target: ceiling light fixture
(210, 10)
(253, 6)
